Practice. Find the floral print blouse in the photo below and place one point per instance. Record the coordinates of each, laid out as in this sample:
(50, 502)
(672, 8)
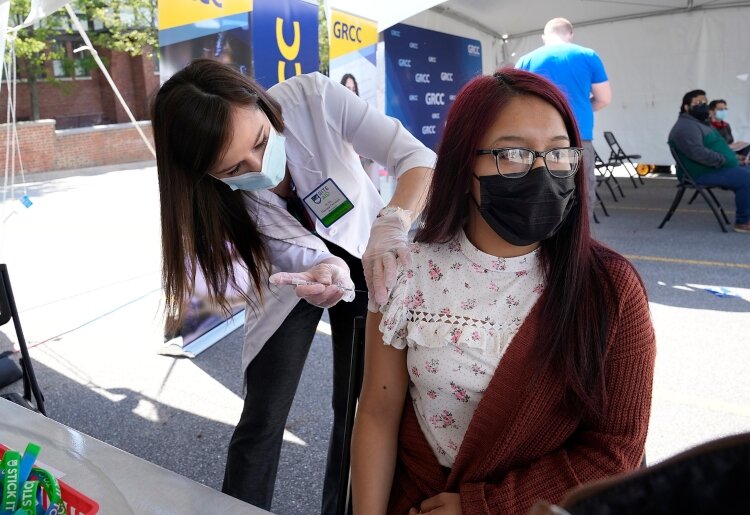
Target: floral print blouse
(456, 309)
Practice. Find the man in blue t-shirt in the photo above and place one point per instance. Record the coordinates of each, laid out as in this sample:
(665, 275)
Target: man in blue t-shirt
(580, 75)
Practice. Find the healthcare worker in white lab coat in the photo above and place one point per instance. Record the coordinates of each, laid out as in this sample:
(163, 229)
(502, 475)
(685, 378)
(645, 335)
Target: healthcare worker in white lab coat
(261, 191)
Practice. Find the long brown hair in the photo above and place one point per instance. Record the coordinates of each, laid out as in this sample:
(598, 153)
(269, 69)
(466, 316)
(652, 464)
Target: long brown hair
(204, 225)
(578, 291)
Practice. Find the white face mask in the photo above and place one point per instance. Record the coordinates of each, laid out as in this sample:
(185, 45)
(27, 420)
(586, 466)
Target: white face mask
(272, 171)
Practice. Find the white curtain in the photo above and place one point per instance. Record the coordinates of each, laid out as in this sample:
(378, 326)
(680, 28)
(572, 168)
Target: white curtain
(653, 62)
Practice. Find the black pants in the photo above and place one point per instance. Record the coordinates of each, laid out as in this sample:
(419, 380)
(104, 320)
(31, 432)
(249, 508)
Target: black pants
(272, 379)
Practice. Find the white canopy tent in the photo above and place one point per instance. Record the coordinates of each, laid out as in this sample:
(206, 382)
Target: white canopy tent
(654, 52)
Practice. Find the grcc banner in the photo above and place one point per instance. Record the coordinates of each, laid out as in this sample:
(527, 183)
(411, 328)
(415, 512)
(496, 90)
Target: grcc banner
(425, 69)
(174, 13)
(269, 39)
(350, 33)
(285, 39)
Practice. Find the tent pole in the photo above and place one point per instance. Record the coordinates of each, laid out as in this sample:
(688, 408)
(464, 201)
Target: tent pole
(88, 46)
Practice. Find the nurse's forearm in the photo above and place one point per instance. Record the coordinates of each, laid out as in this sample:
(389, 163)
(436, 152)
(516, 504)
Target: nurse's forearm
(411, 190)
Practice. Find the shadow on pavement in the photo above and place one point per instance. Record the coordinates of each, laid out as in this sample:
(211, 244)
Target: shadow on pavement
(177, 440)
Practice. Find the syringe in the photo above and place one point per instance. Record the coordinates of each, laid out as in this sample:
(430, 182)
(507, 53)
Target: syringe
(302, 282)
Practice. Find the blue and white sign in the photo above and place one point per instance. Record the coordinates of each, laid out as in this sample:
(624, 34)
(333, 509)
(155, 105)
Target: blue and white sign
(424, 70)
(285, 39)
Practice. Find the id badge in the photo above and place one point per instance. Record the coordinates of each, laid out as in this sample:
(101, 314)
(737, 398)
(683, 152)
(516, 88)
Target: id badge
(328, 203)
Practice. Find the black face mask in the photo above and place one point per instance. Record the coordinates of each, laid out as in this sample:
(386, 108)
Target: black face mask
(526, 210)
(700, 111)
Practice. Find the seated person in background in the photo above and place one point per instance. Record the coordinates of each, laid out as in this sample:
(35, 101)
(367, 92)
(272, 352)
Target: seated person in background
(707, 157)
(717, 110)
(514, 359)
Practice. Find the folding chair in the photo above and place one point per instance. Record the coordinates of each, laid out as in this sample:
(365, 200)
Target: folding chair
(9, 311)
(707, 479)
(344, 505)
(601, 205)
(604, 174)
(695, 195)
(685, 181)
(618, 157)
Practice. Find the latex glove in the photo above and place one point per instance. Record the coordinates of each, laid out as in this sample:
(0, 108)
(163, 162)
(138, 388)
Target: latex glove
(329, 284)
(388, 247)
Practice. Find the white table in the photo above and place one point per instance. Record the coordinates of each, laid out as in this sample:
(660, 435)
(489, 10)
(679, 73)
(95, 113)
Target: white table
(120, 482)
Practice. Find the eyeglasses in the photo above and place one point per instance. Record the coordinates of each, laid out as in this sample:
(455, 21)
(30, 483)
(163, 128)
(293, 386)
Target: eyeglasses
(515, 162)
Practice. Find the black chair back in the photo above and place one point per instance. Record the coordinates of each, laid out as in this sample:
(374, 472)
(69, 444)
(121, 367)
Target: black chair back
(683, 175)
(710, 478)
(605, 172)
(8, 312)
(618, 157)
(344, 505)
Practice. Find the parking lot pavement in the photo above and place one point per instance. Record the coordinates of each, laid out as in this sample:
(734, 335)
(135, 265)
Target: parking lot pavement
(84, 262)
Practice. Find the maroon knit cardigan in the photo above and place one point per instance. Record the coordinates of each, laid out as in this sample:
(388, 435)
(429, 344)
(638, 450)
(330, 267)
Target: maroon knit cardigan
(522, 445)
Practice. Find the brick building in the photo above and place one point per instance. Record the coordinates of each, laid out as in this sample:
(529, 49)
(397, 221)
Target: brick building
(85, 98)
(81, 121)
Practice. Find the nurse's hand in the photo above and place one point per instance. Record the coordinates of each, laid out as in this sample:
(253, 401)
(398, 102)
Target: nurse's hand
(388, 247)
(323, 285)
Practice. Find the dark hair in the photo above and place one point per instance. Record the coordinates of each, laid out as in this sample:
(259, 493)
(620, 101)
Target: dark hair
(348, 76)
(712, 105)
(689, 96)
(205, 225)
(574, 339)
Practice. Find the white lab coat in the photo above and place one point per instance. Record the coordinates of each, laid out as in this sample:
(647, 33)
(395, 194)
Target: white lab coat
(327, 128)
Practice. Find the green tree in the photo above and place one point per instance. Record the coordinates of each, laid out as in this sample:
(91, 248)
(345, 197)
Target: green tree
(129, 25)
(322, 39)
(33, 48)
(120, 25)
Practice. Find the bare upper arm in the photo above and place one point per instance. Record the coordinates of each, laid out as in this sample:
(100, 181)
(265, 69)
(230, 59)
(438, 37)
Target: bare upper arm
(386, 377)
(601, 93)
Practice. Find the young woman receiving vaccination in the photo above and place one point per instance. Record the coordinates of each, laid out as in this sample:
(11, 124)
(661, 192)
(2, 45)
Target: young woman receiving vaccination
(263, 194)
(514, 358)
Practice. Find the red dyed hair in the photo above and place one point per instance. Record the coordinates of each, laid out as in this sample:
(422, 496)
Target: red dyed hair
(472, 114)
(575, 337)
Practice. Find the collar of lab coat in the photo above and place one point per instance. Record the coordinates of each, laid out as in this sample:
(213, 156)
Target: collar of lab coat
(274, 221)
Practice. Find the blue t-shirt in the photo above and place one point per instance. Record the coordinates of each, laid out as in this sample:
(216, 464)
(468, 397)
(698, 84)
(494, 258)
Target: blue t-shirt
(573, 69)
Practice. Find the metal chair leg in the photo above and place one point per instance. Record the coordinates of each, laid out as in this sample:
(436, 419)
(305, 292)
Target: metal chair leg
(635, 169)
(693, 197)
(718, 204)
(601, 204)
(711, 204)
(611, 190)
(609, 171)
(9, 311)
(632, 179)
(675, 203)
(355, 385)
(616, 160)
(605, 180)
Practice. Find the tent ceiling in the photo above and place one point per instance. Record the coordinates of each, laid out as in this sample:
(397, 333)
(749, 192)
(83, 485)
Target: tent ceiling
(385, 12)
(519, 19)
